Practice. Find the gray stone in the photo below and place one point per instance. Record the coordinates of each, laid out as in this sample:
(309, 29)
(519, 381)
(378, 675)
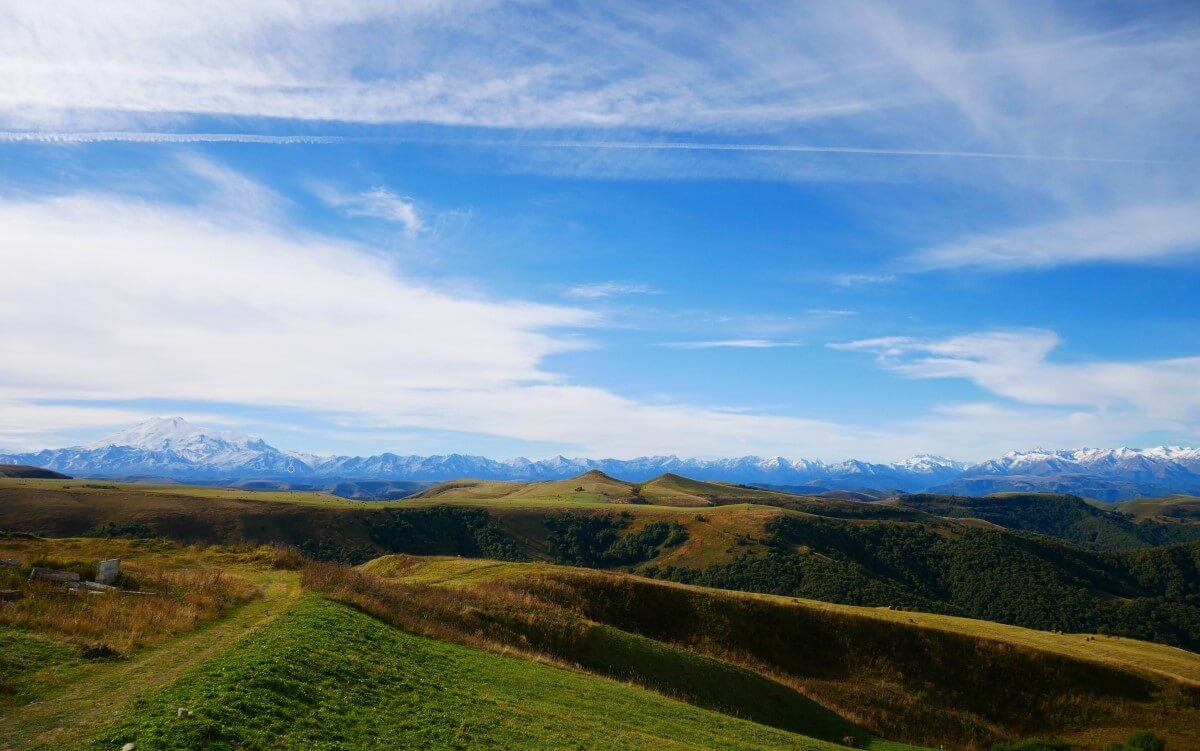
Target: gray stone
(129, 747)
(183, 712)
(97, 587)
(11, 594)
(53, 575)
(13, 562)
(108, 571)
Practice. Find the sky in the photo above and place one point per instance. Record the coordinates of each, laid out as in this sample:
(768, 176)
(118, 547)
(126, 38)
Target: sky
(820, 230)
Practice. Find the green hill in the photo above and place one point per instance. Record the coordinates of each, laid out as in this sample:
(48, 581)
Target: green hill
(325, 676)
(1176, 509)
(958, 566)
(1065, 517)
(452, 652)
(23, 470)
(920, 677)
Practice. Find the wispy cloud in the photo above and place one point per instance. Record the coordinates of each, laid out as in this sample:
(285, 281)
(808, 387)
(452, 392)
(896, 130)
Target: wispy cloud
(946, 79)
(1123, 235)
(831, 312)
(377, 203)
(732, 344)
(1016, 365)
(51, 137)
(854, 280)
(601, 290)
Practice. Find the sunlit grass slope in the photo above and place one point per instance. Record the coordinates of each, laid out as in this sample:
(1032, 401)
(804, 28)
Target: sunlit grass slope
(919, 677)
(326, 676)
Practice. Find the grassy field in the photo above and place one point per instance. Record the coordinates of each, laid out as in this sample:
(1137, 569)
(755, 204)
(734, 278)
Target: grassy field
(290, 686)
(51, 698)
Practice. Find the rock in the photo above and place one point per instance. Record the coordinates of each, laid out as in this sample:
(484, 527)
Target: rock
(183, 712)
(129, 747)
(54, 575)
(97, 587)
(108, 571)
(11, 594)
(850, 741)
(13, 562)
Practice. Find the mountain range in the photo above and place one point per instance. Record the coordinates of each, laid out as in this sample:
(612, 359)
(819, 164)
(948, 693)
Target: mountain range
(173, 448)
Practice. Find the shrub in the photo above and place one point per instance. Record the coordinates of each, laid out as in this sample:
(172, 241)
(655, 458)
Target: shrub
(1034, 744)
(1141, 740)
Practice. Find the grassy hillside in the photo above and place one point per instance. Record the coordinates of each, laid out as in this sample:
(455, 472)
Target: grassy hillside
(918, 677)
(23, 470)
(953, 566)
(1065, 517)
(292, 686)
(1177, 509)
(271, 673)
(991, 574)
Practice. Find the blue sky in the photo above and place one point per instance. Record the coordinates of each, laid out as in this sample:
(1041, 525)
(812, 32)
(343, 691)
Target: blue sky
(824, 230)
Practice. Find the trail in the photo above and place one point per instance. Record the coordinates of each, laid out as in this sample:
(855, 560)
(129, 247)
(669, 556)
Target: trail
(68, 716)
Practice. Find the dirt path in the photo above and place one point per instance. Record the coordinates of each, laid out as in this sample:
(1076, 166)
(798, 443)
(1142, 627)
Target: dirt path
(79, 710)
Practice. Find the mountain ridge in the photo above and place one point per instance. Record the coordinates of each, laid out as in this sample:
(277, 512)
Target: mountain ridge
(174, 448)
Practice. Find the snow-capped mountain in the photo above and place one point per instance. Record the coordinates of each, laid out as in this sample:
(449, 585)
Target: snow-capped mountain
(174, 448)
(176, 435)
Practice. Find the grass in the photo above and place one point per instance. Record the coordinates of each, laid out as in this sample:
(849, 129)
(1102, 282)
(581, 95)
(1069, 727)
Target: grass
(1176, 508)
(30, 664)
(304, 498)
(919, 677)
(507, 619)
(1118, 652)
(76, 697)
(181, 601)
(289, 687)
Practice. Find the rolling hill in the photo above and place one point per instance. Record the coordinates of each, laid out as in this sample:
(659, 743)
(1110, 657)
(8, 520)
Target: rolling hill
(912, 558)
(449, 652)
(23, 470)
(1069, 518)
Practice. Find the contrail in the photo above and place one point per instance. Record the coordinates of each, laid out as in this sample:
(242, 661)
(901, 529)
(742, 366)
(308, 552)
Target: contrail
(775, 148)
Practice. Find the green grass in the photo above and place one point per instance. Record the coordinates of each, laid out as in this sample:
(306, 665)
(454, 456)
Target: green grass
(290, 686)
(918, 677)
(301, 498)
(30, 665)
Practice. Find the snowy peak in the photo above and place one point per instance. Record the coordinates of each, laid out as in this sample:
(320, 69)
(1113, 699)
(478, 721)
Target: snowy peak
(169, 433)
(929, 463)
(178, 436)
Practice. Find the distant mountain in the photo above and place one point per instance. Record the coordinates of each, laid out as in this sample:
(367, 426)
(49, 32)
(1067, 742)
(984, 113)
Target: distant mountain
(174, 448)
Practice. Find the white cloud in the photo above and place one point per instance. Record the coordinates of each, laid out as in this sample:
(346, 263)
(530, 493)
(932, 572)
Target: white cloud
(732, 344)
(601, 290)
(26, 426)
(854, 280)
(377, 203)
(121, 299)
(1122, 235)
(1016, 365)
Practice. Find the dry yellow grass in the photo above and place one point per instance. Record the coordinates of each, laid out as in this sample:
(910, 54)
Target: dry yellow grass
(181, 601)
(1126, 654)
(192, 586)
